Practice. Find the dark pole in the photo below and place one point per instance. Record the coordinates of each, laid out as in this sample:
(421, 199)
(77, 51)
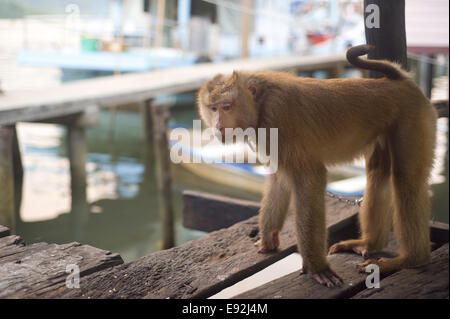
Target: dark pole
(389, 38)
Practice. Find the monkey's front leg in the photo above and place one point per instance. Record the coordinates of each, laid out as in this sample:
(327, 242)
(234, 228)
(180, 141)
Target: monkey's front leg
(308, 191)
(274, 207)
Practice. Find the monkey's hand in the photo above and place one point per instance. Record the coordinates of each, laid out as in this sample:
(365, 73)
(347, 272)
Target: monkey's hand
(268, 244)
(326, 277)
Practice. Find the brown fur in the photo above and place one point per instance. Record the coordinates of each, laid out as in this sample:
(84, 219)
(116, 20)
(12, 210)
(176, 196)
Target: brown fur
(325, 122)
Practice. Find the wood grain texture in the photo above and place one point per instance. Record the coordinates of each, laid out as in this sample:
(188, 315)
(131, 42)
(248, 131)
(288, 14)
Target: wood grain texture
(199, 268)
(4, 231)
(302, 286)
(36, 270)
(426, 282)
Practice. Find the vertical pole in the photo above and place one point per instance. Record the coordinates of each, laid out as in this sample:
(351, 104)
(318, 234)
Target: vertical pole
(147, 149)
(245, 27)
(76, 143)
(148, 32)
(160, 115)
(147, 124)
(426, 75)
(183, 15)
(389, 38)
(336, 71)
(18, 174)
(160, 15)
(6, 178)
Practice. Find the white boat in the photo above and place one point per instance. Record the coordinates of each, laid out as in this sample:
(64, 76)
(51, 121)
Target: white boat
(207, 161)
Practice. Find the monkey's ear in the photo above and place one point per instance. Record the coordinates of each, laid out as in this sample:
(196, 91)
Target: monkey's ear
(234, 77)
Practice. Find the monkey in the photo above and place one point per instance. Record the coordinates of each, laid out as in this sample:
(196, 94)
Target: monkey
(323, 122)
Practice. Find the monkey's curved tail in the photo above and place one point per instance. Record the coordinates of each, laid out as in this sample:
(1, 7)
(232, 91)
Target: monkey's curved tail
(391, 70)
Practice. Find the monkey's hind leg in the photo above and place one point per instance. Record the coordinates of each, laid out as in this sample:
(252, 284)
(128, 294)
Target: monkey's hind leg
(375, 216)
(412, 146)
(274, 207)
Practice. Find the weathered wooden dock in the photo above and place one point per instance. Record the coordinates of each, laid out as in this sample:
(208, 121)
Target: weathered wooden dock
(203, 267)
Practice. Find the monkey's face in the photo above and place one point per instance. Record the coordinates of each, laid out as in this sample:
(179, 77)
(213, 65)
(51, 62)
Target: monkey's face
(225, 102)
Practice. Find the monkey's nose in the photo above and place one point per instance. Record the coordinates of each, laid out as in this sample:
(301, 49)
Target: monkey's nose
(220, 130)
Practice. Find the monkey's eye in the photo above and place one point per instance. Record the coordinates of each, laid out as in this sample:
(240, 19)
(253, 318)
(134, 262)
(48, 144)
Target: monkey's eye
(226, 107)
(213, 108)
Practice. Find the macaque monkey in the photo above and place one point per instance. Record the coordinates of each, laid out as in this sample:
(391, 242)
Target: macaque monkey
(325, 122)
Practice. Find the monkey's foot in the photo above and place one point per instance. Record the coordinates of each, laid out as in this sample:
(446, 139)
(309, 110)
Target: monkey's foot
(269, 244)
(385, 265)
(357, 245)
(327, 278)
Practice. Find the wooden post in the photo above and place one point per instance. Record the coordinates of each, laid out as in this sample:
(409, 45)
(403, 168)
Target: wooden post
(77, 150)
(389, 38)
(426, 75)
(6, 177)
(147, 124)
(160, 16)
(245, 27)
(18, 174)
(336, 71)
(147, 148)
(160, 115)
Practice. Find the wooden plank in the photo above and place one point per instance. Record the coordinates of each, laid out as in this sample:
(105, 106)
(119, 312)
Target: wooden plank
(439, 232)
(10, 240)
(135, 87)
(4, 231)
(201, 211)
(441, 107)
(199, 268)
(44, 270)
(300, 286)
(429, 281)
(12, 249)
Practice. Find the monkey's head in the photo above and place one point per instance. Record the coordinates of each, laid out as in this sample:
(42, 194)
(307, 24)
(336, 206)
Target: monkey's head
(228, 102)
